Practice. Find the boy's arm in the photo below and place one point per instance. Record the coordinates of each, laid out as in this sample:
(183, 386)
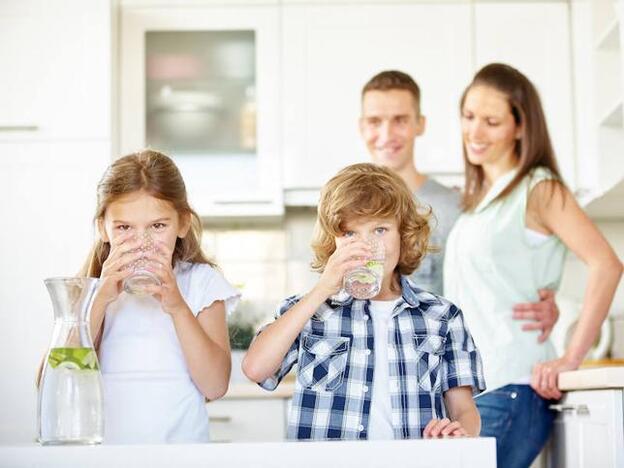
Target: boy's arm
(461, 408)
(267, 351)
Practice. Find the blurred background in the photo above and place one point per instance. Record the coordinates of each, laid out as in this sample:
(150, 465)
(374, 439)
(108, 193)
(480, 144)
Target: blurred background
(257, 101)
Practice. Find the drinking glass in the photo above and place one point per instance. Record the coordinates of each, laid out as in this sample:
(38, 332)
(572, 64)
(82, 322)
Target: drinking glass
(141, 276)
(364, 282)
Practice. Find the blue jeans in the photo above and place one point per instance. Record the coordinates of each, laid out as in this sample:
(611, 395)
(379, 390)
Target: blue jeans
(519, 419)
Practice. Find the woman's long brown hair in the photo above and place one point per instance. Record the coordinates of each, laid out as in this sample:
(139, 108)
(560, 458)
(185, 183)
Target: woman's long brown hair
(533, 148)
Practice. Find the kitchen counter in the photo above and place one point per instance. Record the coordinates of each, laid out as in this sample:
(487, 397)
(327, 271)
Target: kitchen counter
(592, 378)
(457, 453)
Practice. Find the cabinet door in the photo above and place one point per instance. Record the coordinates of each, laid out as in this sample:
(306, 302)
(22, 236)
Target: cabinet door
(535, 38)
(47, 202)
(331, 51)
(55, 62)
(172, 85)
(589, 431)
(247, 420)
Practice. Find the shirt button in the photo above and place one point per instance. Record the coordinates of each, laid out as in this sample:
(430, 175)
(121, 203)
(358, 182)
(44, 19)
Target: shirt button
(514, 395)
(360, 428)
(365, 389)
(367, 352)
(365, 317)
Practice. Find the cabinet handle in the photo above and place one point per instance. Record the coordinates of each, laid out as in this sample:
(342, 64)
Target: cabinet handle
(580, 409)
(220, 419)
(19, 128)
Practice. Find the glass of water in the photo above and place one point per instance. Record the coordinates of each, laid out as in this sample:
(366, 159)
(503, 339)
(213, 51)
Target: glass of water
(364, 282)
(141, 276)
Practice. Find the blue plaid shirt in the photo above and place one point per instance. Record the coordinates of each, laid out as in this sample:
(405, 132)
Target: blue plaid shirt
(429, 351)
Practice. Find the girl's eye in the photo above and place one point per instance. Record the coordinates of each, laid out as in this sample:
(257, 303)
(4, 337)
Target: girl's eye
(123, 227)
(159, 226)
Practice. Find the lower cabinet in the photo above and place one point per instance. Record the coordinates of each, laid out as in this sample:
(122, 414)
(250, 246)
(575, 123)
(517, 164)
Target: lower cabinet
(589, 430)
(248, 419)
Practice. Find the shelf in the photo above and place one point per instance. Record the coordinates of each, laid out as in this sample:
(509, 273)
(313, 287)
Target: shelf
(610, 38)
(614, 117)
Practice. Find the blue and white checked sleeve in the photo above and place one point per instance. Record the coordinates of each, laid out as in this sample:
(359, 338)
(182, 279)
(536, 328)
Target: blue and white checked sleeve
(291, 356)
(462, 365)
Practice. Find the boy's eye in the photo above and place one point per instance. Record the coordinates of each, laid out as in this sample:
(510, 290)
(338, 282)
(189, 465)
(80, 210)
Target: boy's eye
(348, 234)
(380, 230)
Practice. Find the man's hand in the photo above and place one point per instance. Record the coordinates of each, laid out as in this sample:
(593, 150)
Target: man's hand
(543, 314)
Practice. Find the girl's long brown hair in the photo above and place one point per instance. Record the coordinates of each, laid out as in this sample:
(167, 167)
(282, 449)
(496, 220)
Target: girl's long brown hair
(157, 175)
(533, 148)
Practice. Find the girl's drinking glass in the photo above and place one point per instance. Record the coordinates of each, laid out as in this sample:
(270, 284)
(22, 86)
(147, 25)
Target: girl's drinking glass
(141, 276)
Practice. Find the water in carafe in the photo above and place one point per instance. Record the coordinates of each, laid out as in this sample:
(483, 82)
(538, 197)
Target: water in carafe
(70, 407)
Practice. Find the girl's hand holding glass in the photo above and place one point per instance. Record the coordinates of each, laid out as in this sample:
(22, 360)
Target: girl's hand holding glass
(167, 292)
(349, 254)
(115, 268)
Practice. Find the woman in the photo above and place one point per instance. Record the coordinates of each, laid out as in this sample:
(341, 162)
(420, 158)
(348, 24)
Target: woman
(518, 221)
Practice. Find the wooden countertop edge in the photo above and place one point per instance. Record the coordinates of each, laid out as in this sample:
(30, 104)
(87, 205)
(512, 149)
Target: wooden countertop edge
(592, 378)
(251, 390)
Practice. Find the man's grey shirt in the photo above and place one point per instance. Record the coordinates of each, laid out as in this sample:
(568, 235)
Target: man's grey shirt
(445, 205)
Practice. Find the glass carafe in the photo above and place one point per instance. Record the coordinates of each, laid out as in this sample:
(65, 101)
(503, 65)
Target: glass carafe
(70, 392)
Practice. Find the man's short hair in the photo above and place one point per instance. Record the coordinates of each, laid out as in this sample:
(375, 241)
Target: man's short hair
(393, 79)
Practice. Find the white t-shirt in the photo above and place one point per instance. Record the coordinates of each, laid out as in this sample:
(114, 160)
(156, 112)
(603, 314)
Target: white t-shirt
(149, 396)
(380, 417)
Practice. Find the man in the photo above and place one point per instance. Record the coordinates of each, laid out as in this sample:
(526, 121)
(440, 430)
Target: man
(390, 122)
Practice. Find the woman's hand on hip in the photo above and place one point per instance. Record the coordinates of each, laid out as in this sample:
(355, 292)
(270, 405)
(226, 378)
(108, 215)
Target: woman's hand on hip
(542, 315)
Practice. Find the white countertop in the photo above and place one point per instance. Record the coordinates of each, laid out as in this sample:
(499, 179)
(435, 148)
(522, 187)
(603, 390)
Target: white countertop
(456, 453)
(594, 378)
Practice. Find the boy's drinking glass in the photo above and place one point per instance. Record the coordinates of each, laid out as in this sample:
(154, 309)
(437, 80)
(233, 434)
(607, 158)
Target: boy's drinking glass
(364, 282)
(141, 276)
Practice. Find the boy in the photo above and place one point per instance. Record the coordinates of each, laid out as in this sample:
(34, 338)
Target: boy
(401, 365)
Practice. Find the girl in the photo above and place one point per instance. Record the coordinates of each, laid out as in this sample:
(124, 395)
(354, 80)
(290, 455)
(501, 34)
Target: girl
(164, 352)
(401, 365)
(518, 221)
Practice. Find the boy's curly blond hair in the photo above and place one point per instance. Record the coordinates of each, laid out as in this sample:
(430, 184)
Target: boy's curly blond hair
(369, 191)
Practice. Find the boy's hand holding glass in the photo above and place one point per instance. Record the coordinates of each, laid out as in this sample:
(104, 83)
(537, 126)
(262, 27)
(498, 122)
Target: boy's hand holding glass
(349, 254)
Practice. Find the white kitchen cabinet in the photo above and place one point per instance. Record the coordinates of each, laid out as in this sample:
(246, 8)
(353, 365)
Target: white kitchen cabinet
(598, 27)
(534, 37)
(56, 65)
(589, 431)
(248, 419)
(331, 50)
(194, 85)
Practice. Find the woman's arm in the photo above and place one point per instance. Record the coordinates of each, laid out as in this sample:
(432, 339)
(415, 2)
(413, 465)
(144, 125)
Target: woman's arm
(463, 420)
(555, 210)
(206, 347)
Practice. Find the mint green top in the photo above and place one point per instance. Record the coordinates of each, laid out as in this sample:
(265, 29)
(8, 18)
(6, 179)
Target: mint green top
(489, 267)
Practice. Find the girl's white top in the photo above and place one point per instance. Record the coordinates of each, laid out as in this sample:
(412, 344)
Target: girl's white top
(149, 396)
(490, 266)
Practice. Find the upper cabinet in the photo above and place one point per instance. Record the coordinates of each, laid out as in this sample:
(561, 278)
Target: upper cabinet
(200, 84)
(599, 61)
(534, 37)
(331, 50)
(56, 65)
